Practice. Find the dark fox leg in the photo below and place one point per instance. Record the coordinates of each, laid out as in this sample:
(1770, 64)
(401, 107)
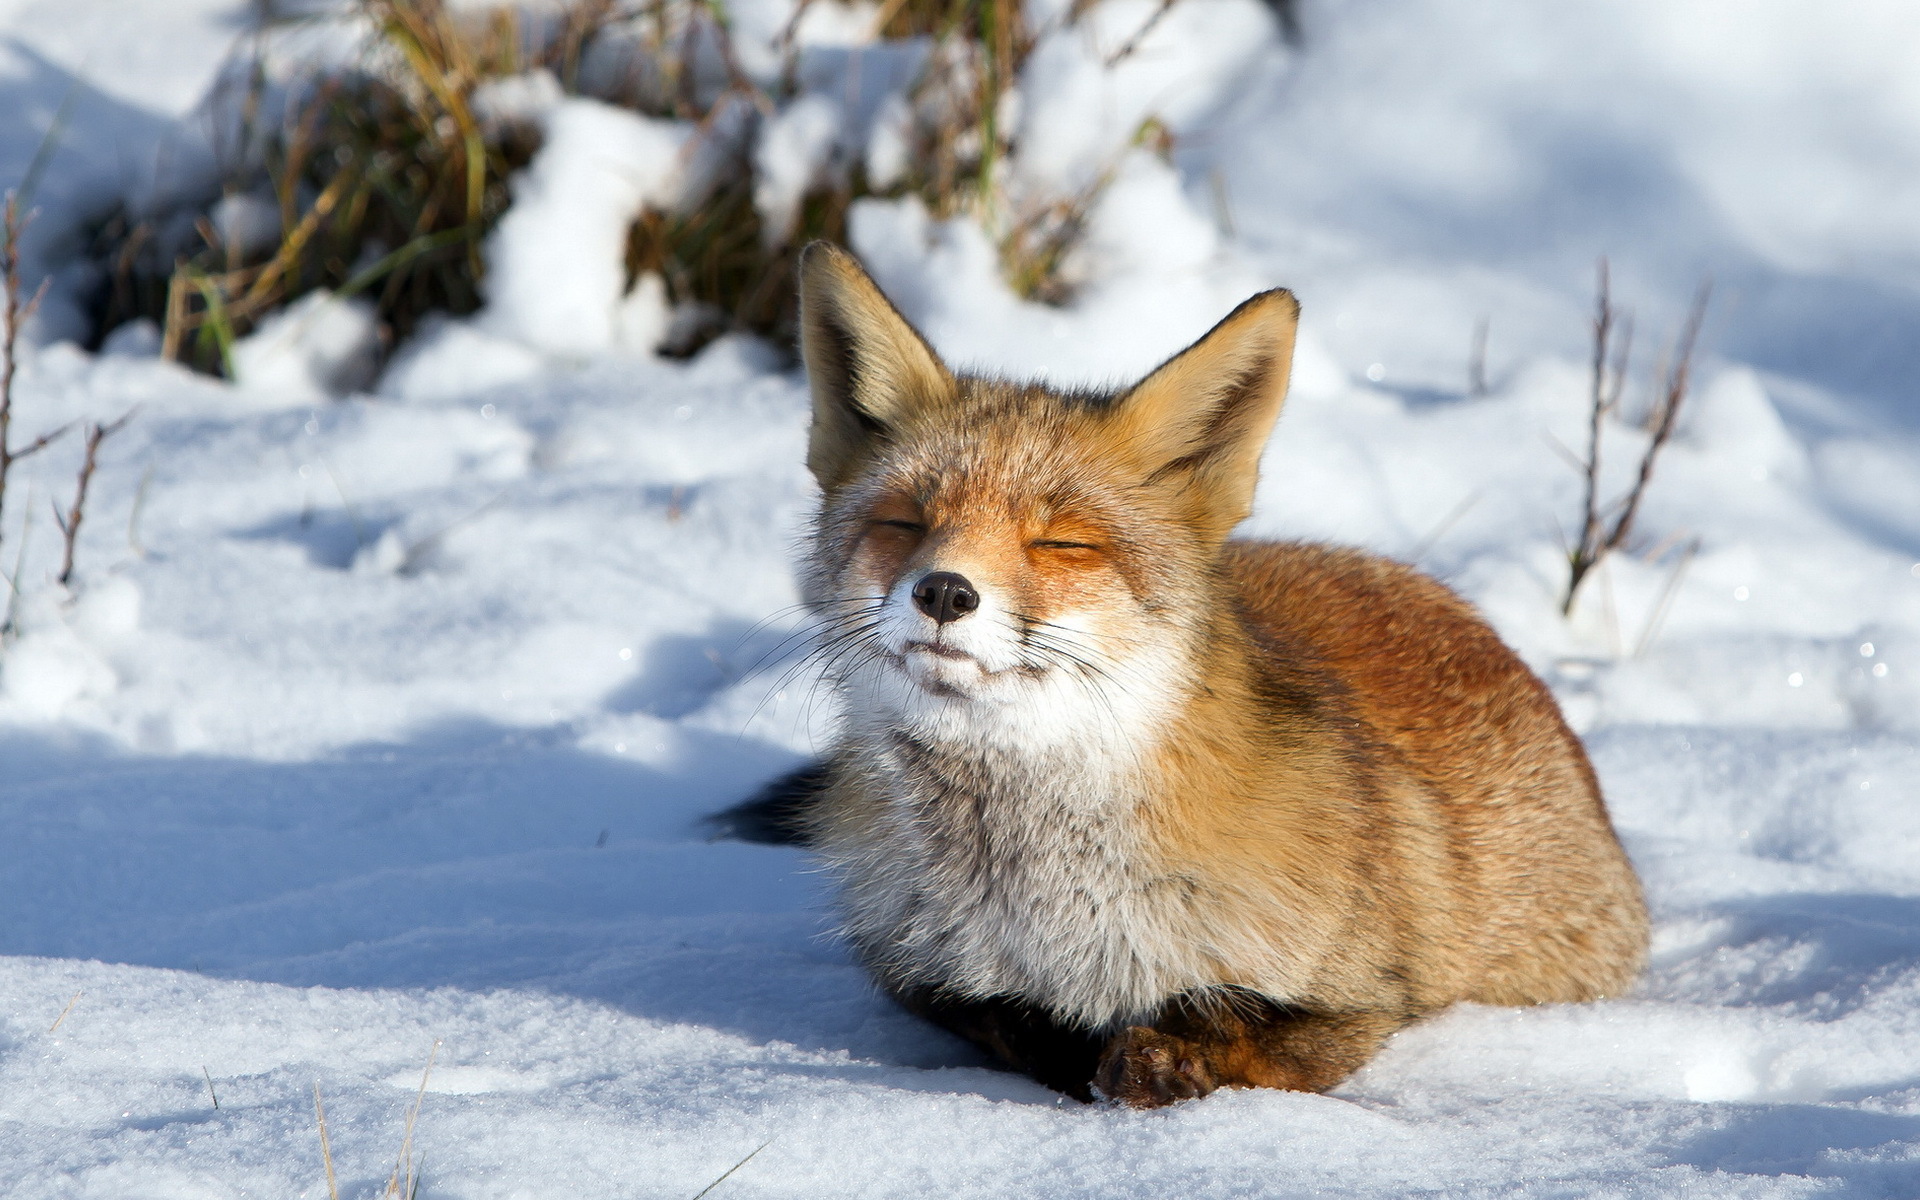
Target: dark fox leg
(1020, 1035)
(776, 815)
(1242, 1041)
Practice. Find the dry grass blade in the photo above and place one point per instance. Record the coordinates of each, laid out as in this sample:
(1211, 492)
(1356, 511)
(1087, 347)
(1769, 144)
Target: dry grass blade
(406, 1164)
(1668, 591)
(728, 1173)
(1445, 524)
(326, 1146)
(64, 1012)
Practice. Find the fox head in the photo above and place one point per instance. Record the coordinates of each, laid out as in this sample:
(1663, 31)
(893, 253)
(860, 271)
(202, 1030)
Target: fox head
(1003, 562)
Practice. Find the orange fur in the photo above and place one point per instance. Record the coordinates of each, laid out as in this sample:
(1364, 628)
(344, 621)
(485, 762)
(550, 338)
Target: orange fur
(1163, 812)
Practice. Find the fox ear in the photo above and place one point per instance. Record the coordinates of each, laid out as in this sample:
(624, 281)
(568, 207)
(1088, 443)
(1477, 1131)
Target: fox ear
(1200, 420)
(868, 368)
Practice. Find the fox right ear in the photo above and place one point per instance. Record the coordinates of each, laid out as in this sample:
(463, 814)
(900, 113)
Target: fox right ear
(868, 368)
(1200, 421)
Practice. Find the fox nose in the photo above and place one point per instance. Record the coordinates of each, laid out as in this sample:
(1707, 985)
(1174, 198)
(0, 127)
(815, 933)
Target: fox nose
(945, 596)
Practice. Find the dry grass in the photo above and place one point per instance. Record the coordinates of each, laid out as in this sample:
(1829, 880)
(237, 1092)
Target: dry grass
(385, 181)
(404, 1183)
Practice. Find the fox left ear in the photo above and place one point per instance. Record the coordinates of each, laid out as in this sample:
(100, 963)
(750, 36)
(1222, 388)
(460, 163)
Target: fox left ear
(870, 371)
(1201, 419)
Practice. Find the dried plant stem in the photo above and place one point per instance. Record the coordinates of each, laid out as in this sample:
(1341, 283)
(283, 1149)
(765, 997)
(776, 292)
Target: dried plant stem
(15, 314)
(1672, 394)
(1611, 350)
(69, 522)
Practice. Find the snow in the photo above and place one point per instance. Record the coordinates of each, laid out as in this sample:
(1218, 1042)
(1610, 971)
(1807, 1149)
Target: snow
(388, 720)
(557, 260)
(792, 151)
(315, 349)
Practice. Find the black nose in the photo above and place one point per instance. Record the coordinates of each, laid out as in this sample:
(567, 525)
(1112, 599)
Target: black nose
(945, 596)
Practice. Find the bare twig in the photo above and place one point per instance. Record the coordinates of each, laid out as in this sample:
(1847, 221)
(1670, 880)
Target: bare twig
(15, 313)
(1133, 43)
(1672, 394)
(211, 1094)
(1612, 345)
(1586, 551)
(69, 522)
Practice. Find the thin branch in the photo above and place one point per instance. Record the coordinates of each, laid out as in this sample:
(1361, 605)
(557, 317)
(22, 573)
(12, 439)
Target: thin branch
(14, 313)
(1586, 547)
(70, 522)
(1133, 43)
(1610, 360)
(1672, 395)
(38, 444)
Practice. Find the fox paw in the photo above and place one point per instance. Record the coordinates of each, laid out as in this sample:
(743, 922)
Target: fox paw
(1144, 1068)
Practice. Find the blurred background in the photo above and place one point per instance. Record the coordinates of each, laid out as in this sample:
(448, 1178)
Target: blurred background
(1414, 169)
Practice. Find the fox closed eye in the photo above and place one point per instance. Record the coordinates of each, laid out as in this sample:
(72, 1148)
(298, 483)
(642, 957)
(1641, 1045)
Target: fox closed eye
(1051, 544)
(908, 526)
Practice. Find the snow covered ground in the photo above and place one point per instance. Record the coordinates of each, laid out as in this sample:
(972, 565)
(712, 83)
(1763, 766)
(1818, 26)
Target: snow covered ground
(387, 721)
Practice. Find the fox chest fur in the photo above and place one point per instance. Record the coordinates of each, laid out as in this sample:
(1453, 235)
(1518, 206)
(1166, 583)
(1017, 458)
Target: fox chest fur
(1241, 809)
(999, 871)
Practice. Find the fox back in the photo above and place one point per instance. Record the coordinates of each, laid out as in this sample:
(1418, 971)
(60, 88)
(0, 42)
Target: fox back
(1140, 808)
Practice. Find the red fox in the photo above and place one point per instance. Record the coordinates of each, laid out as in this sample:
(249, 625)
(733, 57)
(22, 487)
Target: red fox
(1140, 809)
